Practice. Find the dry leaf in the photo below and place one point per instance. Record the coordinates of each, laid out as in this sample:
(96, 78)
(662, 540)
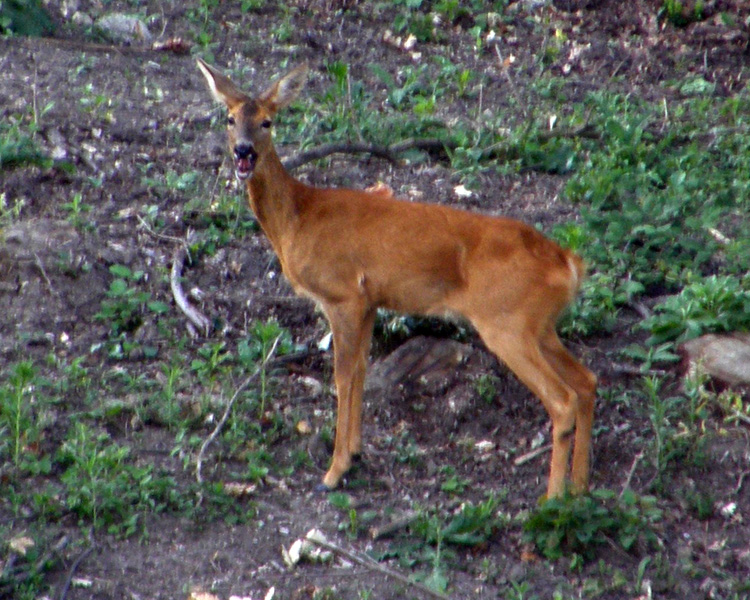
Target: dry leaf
(20, 545)
(237, 489)
(201, 595)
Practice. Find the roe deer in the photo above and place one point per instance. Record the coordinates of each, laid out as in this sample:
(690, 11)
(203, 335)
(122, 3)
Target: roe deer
(356, 251)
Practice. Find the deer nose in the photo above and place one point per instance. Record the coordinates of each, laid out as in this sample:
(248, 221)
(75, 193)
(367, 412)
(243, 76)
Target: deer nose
(244, 150)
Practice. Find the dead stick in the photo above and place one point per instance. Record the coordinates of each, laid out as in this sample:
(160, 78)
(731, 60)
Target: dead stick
(387, 152)
(741, 480)
(393, 526)
(430, 145)
(40, 266)
(194, 316)
(228, 410)
(197, 318)
(529, 456)
(629, 478)
(370, 564)
(514, 90)
(69, 577)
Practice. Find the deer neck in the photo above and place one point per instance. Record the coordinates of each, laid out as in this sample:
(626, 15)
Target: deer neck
(272, 193)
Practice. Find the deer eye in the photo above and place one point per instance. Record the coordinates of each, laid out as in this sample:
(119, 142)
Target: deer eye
(230, 120)
(265, 123)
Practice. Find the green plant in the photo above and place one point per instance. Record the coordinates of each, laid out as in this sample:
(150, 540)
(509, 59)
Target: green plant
(674, 423)
(18, 148)
(25, 17)
(710, 305)
(471, 525)
(651, 355)
(125, 306)
(251, 5)
(452, 483)
(213, 358)
(578, 525)
(105, 488)
(485, 386)
(167, 404)
(263, 337)
(679, 13)
(16, 411)
(76, 209)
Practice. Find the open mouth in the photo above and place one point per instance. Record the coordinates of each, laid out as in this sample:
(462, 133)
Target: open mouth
(245, 158)
(244, 166)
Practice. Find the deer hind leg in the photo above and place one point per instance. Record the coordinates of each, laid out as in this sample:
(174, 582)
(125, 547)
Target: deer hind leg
(351, 326)
(583, 382)
(520, 349)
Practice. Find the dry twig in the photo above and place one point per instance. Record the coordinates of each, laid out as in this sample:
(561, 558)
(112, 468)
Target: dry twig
(629, 478)
(529, 456)
(69, 577)
(228, 409)
(431, 145)
(201, 322)
(389, 152)
(370, 564)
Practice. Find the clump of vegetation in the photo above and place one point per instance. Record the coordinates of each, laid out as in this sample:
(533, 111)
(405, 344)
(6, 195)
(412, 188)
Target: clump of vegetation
(682, 12)
(18, 148)
(578, 526)
(18, 427)
(24, 17)
(105, 488)
(125, 308)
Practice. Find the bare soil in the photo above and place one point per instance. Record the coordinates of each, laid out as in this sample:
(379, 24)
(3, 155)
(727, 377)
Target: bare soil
(124, 113)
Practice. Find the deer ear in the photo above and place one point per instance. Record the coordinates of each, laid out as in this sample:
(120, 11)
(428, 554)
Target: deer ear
(281, 93)
(222, 88)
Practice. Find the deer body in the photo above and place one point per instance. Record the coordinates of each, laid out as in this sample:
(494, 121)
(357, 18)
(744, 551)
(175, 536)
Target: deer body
(354, 251)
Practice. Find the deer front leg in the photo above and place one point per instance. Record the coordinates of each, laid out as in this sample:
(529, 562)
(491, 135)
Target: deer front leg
(351, 326)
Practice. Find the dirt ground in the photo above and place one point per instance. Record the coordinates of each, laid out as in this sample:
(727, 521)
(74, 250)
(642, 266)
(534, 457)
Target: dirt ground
(121, 114)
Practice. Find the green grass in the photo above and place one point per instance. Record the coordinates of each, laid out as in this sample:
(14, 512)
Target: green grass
(663, 198)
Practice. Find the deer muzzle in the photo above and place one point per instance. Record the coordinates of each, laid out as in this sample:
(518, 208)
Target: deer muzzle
(245, 158)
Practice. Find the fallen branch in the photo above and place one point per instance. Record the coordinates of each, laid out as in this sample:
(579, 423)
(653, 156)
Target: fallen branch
(629, 478)
(389, 152)
(529, 456)
(181, 253)
(228, 409)
(370, 564)
(198, 319)
(641, 309)
(69, 577)
(433, 146)
(740, 481)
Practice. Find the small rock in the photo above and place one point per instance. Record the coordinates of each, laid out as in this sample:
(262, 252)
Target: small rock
(725, 359)
(81, 19)
(124, 28)
(312, 385)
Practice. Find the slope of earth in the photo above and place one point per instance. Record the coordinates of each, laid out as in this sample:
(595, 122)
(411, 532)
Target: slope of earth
(135, 164)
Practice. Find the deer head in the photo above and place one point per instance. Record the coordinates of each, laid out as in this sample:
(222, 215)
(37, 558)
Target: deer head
(249, 119)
